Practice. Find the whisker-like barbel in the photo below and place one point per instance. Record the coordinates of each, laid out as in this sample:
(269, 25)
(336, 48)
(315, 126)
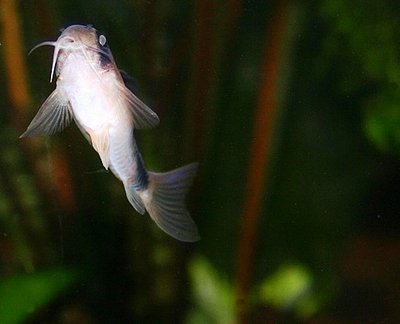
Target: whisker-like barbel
(55, 55)
(50, 43)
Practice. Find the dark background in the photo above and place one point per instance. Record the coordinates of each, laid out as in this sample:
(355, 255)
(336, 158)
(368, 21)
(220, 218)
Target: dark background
(292, 110)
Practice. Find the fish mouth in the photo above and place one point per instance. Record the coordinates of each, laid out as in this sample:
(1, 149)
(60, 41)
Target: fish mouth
(68, 43)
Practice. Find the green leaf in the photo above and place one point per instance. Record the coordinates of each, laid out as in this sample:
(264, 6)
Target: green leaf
(22, 295)
(290, 288)
(382, 122)
(213, 294)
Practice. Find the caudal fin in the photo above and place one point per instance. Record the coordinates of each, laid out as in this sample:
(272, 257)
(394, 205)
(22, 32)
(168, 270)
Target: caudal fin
(164, 201)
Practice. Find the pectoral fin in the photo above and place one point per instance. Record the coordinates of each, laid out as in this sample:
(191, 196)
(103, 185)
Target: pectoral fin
(143, 116)
(99, 140)
(53, 116)
(129, 82)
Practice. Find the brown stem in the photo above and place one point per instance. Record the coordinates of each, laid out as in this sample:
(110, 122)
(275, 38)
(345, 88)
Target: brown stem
(202, 65)
(13, 58)
(213, 32)
(19, 101)
(264, 120)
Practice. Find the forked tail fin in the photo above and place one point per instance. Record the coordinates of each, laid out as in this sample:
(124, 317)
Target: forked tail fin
(164, 201)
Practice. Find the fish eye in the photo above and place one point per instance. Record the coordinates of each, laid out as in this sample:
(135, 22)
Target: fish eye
(102, 40)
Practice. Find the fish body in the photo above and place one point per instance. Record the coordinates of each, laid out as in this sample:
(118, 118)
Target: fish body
(91, 91)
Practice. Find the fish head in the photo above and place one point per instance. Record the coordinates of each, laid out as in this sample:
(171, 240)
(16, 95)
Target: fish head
(79, 39)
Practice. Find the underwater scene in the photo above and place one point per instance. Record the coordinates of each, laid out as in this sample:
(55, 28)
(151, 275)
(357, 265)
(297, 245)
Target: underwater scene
(199, 161)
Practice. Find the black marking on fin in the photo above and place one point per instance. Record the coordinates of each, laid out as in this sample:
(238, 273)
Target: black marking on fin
(142, 178)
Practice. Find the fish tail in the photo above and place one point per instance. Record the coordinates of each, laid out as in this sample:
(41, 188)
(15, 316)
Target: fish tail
(164, 201)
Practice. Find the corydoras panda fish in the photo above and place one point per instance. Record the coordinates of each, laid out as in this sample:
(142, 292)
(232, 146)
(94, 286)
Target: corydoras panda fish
(91, 91)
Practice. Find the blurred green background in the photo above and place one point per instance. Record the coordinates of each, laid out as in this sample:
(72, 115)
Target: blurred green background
(292, 110)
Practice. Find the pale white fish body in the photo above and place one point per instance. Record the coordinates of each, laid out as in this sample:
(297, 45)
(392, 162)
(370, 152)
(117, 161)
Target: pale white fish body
(91, 90)
(98, 110)
(93, 100)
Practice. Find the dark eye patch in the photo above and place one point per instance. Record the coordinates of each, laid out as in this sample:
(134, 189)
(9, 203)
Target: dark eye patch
(105, 60)
(104, 52)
